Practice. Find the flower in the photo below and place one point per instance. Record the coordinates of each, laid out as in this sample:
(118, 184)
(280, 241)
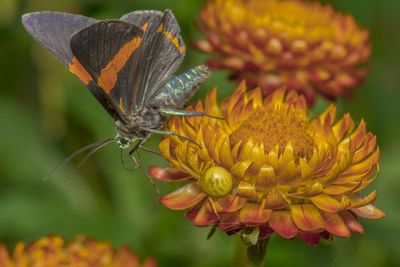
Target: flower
(268, 168)
(302, 45)
(53, 251)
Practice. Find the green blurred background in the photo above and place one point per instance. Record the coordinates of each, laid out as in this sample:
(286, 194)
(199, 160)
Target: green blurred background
(46, 113)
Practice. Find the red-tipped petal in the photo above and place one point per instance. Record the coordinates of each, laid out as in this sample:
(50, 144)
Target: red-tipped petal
(283, 225)
(231, 203)
(183, 198)
(168, 174)
(229, 221)
(307, 217)
(369, 211)
(202, 216)
(351, 222)
(254, 213)
(334, 224)
(310, 238)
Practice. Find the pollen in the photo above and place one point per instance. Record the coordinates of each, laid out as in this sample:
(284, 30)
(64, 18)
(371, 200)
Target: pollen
(277, 126)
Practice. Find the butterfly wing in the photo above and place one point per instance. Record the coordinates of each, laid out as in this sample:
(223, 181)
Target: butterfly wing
(53, 30)
(158, 58)
(108, 49)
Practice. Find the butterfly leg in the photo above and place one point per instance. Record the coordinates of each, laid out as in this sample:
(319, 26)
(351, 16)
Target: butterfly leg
(139, 144)
(185, 113)
(149, 150)
(154, 131)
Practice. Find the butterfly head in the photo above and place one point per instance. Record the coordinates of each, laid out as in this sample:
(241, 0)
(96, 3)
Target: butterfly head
(123, 141)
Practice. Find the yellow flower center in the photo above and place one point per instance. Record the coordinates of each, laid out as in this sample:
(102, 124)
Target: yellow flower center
(293, 18)
(277, 126)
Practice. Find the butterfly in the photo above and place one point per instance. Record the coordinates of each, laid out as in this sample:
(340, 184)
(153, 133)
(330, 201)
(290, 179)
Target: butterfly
(127, 64)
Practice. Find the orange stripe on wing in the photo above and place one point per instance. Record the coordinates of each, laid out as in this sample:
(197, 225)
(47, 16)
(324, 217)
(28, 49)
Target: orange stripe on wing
(174, 40)
(109, 75)
(76, 68)
(121, 105)
(145, 26)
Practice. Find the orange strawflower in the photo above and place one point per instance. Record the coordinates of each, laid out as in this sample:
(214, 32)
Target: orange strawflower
(269, 168)
(53, 251)
(303, 45)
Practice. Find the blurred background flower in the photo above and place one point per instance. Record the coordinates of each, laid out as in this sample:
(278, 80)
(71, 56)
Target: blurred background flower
(269, 168)
(54, 251)
(46, 113)
(303, 45)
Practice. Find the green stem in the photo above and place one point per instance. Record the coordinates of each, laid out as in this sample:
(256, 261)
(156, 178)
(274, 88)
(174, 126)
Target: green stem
(250, 255)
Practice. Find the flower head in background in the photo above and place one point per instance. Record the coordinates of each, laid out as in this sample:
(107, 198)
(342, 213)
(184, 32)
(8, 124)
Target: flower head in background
(302, 45)
(269, 168)
(53, 251)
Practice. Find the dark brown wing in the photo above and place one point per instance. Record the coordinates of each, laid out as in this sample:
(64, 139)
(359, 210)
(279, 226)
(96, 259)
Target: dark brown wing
(108, 49)
(158, 58)
(53, 30)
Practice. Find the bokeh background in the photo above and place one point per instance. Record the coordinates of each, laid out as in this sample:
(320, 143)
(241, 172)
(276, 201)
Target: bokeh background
(46, 114)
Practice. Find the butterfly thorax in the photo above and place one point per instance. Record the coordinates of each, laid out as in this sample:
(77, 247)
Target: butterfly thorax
(133, 128)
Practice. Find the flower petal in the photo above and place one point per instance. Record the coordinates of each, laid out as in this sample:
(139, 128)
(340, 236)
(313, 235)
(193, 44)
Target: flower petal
(334, 224)
(359, 201)
(369, 211)
(229, 221)
(283, 225)
(327, 203)
(183, 198)
(202, 216)
(231, 203)
(306, 217)
(351, 222)
(309, 237)
(4, 257)
(167, 174)
(254, 213)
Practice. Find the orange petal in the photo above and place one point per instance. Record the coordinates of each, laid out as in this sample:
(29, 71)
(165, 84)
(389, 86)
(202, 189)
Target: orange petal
(351, 222)
(283, 225)
(358, 201)
(183, 198)
(231, 203)
(202, 216)
(254, 213)
(327, 203)
(369, 211)
(150, 262)
(229, 221)
(306, 217)
(124, 257)
(276, 200)
(247, 190)
(167, 174)
(266, 177)
(4, 257)
(340, 189)
(334, 224)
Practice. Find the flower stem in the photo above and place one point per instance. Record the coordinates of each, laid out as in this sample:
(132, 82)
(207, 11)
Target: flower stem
(250, 255)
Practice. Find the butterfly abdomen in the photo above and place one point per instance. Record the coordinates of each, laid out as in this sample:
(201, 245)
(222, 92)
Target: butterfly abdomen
(182, 87)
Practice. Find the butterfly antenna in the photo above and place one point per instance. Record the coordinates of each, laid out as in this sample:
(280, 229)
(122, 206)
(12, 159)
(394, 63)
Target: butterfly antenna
(100, 145)
(96, 146)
